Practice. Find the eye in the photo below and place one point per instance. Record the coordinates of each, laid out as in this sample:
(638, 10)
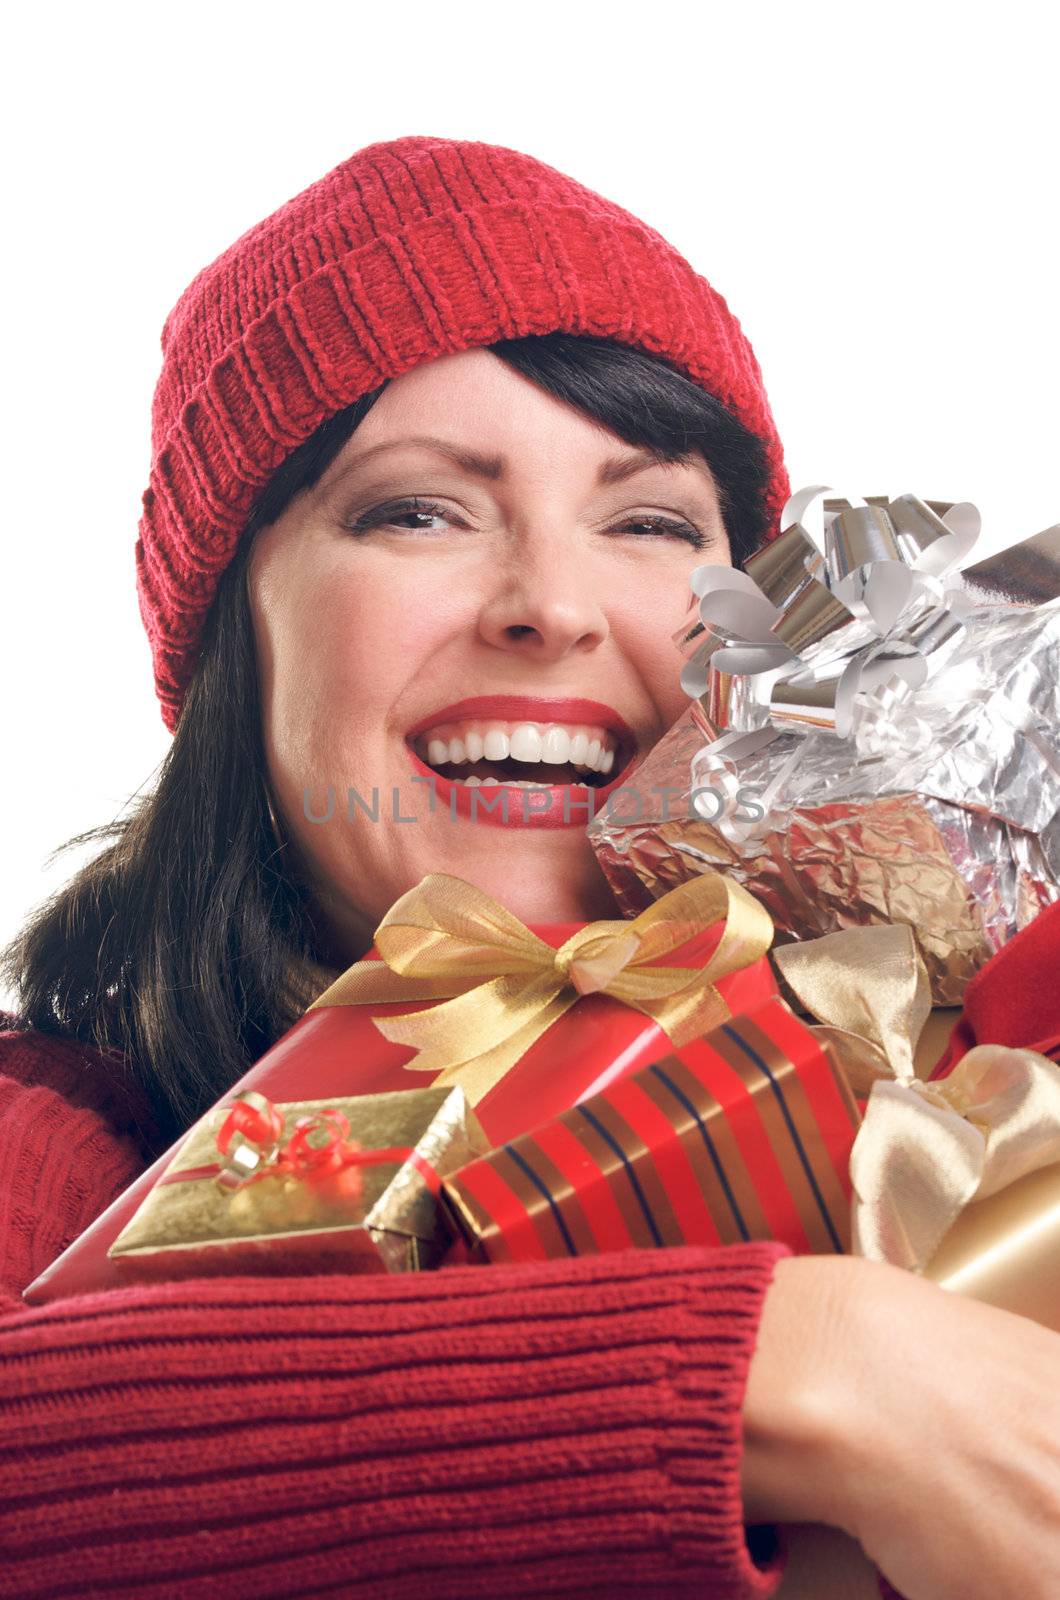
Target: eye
(673, 527)
(405, 514)
(397, 512)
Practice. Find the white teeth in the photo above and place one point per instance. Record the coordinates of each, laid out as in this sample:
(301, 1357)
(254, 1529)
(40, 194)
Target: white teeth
(585, 747)
(471, 782)
(526, 743)
(555, 747)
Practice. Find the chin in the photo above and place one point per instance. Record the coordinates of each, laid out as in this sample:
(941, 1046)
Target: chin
(537, 889)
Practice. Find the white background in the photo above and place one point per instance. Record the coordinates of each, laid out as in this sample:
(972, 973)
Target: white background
(873, 189)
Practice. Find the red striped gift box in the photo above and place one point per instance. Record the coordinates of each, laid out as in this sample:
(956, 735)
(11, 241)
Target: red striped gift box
(743, 1134)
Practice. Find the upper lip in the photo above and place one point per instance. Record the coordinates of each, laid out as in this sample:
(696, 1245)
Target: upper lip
(525, 708)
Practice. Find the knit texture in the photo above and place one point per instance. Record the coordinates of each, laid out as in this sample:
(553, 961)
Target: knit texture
(566, 1429)
(411, 249)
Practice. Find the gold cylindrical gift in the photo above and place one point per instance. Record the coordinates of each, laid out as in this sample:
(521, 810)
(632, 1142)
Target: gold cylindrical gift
(1006, 1249)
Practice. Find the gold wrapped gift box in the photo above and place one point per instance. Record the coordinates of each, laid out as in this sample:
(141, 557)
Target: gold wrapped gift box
(377, 1212)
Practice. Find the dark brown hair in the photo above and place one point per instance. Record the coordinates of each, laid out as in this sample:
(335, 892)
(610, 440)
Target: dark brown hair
(187, 945)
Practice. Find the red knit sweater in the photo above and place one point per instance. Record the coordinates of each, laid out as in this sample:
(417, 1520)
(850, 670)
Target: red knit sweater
(566, 1429)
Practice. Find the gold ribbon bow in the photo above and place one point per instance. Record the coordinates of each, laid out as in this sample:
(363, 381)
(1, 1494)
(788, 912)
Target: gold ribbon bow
(924, 1150)
(502, 987)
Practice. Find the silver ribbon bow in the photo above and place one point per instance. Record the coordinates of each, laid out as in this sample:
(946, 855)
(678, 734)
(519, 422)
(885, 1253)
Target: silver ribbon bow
(835, 625)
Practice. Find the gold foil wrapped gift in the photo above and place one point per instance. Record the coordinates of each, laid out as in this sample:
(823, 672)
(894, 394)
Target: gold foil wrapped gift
(956, 1177)
(346, 1185)
(871, 738)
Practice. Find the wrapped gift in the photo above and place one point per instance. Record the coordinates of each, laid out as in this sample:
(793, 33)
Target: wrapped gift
(871, 739)
(743, 1134)
(457, 991)
(1005, 1249)
(752, 1132)
(955, 1175)
(306, 1186)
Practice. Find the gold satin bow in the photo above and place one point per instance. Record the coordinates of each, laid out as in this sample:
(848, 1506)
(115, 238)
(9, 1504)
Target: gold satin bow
(502, 986)
(924, 1150)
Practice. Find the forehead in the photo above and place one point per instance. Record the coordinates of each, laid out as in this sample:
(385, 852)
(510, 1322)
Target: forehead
(474, 411)
(475, 396)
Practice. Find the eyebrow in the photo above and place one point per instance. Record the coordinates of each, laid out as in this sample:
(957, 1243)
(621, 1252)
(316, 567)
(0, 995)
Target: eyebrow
(615, 470)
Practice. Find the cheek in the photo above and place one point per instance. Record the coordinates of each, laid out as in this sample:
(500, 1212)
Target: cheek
(344, 649)
(667, 692)
(645, 628)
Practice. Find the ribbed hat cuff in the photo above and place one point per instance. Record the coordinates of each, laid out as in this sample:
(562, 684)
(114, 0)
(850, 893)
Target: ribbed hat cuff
(452, 282)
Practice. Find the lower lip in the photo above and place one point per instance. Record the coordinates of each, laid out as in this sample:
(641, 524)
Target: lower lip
(568, 803)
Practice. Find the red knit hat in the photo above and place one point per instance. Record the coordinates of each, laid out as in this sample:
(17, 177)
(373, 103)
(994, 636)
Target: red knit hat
(413, 248)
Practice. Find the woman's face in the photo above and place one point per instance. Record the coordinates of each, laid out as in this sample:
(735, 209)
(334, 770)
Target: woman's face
(404, 650)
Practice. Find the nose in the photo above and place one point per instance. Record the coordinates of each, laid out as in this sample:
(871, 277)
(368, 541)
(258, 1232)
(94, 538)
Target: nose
(543, 601)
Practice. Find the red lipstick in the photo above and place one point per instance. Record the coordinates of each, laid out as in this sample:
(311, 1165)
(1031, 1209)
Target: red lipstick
(524, 708)
(566, 805)
(521, 808)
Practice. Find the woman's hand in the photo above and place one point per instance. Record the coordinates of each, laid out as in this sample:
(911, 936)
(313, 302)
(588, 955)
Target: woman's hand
(924, 1424)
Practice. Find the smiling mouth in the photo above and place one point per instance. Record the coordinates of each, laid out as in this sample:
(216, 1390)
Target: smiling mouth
(527, 775)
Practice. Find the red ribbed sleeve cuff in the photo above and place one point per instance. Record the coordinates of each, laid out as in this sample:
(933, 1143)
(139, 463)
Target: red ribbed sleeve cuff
(568, 1429)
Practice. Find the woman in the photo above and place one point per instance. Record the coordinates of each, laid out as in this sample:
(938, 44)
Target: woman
(326, 603)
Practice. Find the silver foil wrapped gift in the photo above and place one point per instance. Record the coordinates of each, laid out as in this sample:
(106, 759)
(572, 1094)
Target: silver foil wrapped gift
(873, 734)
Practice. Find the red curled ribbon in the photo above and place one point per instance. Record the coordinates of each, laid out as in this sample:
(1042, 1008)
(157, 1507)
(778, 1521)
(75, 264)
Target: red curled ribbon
(318, 1149)
(305, 1158)
(255, 1118)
